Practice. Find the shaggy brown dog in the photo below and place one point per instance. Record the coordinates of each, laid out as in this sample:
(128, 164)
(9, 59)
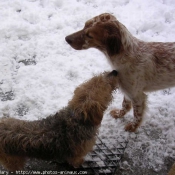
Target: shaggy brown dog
(142, 66)
(66, 136)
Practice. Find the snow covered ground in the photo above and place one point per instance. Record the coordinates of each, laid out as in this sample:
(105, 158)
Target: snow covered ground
(39, 70)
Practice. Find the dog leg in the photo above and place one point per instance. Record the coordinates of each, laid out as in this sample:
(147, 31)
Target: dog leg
(139, 105)
(126, 106)
(12, 163)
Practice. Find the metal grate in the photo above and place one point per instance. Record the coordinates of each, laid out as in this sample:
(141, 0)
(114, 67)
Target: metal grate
(105, 157)
(103, 160)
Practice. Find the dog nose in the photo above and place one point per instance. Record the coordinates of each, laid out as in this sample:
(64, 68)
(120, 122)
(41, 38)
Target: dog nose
(68, 39)
(113, 73)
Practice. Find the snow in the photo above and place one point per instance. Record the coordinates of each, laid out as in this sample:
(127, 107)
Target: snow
(39, 70)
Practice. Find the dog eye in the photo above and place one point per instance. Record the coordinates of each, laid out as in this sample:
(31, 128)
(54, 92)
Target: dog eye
(89, 36)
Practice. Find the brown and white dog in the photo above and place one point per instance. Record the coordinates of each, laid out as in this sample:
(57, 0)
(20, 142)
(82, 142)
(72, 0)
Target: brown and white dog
(142, 66)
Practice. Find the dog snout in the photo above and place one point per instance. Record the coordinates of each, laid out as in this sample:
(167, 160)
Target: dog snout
(113, 73)
(68, 40)
(76, 40)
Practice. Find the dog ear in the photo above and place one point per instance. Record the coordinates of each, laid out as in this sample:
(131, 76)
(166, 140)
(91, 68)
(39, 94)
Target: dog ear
(93, 112)
(113, 44)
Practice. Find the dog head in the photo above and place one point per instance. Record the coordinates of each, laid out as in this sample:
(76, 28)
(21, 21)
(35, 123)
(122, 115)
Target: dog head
(92, 98)
(101, 32)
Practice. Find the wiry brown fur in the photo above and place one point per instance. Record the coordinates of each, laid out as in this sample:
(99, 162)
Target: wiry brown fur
(142, 66)
(66, 136)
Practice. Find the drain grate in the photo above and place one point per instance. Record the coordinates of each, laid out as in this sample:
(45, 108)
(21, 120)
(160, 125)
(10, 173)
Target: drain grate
(103, 160)
(105, 157)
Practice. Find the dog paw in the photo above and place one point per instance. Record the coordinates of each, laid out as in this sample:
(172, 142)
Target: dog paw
(131, 127)
(116, 113)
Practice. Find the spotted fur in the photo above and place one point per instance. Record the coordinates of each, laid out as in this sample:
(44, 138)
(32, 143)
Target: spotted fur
(142, 66)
